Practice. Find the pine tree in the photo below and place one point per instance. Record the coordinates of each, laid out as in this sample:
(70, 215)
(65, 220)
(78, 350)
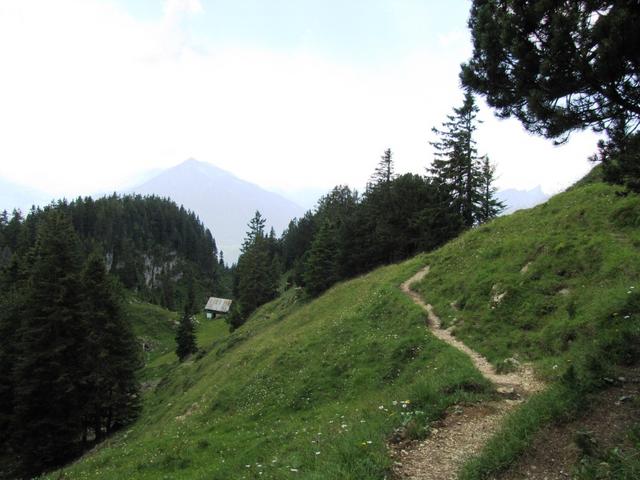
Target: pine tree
(384, 172)
(456, 163)
(489, 206)
(256, 282)
(12, 306)
(111, 347)
(321, 269)
(256, 230)
(50, 370)
(185, 337)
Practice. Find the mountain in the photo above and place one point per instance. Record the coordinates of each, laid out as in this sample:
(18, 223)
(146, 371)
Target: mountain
(320, 389)
(223, 202)
(17, 196)
(519, 199)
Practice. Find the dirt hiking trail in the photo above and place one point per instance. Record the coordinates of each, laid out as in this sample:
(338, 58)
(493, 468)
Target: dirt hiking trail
(465, 429)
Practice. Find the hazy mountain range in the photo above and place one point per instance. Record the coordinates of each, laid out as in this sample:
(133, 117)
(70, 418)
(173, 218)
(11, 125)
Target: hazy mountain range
(14, 196)
(225, 203)
(519, 199)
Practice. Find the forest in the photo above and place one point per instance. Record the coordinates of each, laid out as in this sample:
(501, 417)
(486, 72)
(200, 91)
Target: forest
(68, 358)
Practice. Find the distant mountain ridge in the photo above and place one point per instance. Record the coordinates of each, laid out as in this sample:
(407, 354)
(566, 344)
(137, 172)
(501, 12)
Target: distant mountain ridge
(14, 196)
(223, 202)
(518, 199)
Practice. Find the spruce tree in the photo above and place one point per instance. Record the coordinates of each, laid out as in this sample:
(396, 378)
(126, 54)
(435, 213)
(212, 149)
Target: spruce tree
(489, 206)
(456, 164)
(321, 269)
(12, 306)
(384, 172)
(111, 386)
(185, 337)
(256, 280)
(50, 370)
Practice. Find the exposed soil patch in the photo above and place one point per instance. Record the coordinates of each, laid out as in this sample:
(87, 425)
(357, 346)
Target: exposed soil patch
(554, 453)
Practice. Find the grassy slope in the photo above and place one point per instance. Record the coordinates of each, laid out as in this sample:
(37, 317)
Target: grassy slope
(303, 389)
(581, 285)
(574, 310)
(156, 327)
(306, 377)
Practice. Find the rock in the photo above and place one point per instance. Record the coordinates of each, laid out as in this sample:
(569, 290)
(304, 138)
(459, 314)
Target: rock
(508, 392)
(496, 295)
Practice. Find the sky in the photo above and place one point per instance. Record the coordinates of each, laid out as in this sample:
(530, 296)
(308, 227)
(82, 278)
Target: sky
(293, 95)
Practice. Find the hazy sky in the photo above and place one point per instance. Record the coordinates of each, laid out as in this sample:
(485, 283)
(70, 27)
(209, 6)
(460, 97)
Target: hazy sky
(290, 94)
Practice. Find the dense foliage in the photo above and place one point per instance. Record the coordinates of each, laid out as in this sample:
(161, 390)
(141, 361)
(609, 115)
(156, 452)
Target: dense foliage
(150, 244)
(561, 66)
(68, 356)
(557, 66)
(258, 271)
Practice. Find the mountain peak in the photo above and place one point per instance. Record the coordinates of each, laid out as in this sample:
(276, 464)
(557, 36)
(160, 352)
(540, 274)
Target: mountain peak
(224, 203)
(192, 162)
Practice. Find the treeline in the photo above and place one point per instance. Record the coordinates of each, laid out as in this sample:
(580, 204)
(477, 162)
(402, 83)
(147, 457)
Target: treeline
(150, 244)
(68, 356)
(396, 217)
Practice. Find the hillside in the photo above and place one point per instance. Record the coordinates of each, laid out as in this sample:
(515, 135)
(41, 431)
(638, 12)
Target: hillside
(224, 203)
(317, 389)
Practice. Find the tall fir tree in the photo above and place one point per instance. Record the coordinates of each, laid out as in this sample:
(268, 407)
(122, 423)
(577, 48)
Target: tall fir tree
(256, 283)
(186, 336)
(12, 306)
(50, 371)
(111, 387)
(489, 205)
(456, 163)
(384, 172)
(322, 269)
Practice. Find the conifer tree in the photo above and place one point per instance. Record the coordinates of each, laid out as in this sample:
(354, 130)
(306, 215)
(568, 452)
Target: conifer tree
(384, 172)
(256, 282)
(489, 206)
(321, 269)
(256, 230)
(50, 370)
(12, 306)
(560, 67)
(112, 351)
(185, 337)
(456, 164)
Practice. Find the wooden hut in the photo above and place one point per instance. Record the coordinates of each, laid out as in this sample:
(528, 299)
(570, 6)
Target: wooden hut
(216, 306)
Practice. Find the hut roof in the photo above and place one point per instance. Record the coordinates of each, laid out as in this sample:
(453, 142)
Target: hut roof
(220, 305)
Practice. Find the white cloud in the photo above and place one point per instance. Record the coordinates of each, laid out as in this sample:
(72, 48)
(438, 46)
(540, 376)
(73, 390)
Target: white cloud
(91, 96)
